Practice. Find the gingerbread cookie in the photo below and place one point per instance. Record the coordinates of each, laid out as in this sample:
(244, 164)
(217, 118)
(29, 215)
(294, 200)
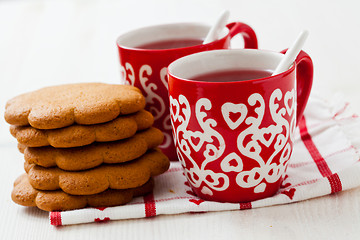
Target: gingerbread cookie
(115, 176)
(81, 158)
(81, 135)
(81, 103)
(24, 194)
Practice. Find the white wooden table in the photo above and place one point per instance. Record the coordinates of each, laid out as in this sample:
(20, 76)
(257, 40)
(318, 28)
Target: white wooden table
(51, 42)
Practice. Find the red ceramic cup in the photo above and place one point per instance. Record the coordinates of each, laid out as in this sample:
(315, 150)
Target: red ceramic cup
(234, 139)
(147, 68)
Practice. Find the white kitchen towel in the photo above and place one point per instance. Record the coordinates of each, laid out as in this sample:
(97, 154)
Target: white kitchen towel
(325, 160)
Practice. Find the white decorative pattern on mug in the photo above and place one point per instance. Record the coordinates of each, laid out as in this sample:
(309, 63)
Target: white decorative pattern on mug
(150, 95)
(250, 141)
(155, 103)
(128, 78)
(198, 174)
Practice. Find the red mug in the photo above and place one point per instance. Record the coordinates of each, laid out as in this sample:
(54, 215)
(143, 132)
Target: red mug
(234, 139)
(147, 68)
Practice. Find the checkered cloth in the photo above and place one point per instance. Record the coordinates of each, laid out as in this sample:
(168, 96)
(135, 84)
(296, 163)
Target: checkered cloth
(325, 160)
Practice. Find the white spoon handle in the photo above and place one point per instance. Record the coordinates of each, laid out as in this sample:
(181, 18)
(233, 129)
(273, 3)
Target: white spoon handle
(213, 34)
(291, 53)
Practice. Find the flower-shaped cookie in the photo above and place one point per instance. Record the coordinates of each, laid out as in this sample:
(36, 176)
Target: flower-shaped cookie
(81, 103)
(24, 194)
(131, 174)
(86, 157)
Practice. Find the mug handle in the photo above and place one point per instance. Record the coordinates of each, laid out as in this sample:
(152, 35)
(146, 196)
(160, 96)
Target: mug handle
(250, 39)
(304, 79)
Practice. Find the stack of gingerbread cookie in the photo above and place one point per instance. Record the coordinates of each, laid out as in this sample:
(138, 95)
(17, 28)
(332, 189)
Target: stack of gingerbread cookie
(88, 144)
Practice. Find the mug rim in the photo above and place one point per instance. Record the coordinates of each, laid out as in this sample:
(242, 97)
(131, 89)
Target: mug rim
(182, 60)
(225, 34)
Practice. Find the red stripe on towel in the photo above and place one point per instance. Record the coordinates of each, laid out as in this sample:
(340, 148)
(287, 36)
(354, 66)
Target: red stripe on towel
(150, 207)
(245, 206)
(55, 218)
(335, 183)
(334, 180)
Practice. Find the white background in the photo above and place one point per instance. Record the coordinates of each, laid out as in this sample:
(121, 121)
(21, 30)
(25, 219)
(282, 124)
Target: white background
(52, 42)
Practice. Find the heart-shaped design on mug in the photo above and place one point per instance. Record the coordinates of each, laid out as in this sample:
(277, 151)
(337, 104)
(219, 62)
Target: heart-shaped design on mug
(207, 191)
(196, 140)
(227, 166)
(260, 188)
(267, 135)
(211, 152)
(231, 108)
(174, 108)
(290, 96)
